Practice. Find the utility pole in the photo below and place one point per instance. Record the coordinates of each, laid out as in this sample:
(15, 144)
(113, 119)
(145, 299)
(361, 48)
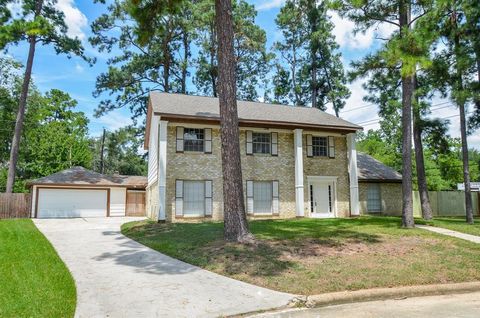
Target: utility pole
(101, 152)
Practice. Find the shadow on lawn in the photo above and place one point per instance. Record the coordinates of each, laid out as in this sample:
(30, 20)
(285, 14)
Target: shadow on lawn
(281, 244)
(133, 254)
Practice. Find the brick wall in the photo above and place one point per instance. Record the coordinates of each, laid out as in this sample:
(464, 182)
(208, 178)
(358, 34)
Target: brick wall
(390, 194)
(324, 166)
(200, 166)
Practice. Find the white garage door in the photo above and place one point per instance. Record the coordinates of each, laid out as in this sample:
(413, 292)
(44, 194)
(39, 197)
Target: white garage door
(67, 203)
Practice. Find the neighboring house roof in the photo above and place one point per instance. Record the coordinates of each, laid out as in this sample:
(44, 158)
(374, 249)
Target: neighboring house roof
(83, 177)
(370, 169)
(180, 107)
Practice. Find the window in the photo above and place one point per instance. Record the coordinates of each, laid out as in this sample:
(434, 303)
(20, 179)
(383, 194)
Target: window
(374, 202)
(262, 197)
(193, 197)
(319, 146)
(261, 142)
(194, 139)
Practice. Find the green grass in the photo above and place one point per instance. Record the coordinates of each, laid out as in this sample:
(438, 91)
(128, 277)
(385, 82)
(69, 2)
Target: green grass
(457, 224)
(310, 256)
(34, 282)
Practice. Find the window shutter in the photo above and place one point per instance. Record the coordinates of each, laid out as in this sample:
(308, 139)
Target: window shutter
(208, 198)
(249, 137)
(208, 140)
(309, 146)
(179, 139)
(179, 197)
(331, 147)
(274, 143)
(275, 198)
(250, 197)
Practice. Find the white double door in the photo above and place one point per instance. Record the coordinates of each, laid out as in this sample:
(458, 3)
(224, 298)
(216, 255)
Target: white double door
(322, 198)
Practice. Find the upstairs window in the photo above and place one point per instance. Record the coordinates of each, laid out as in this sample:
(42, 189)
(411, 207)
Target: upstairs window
(261, 142)
(193, 139)
(319, 146)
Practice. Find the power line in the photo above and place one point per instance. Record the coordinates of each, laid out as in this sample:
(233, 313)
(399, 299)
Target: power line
(376, 120)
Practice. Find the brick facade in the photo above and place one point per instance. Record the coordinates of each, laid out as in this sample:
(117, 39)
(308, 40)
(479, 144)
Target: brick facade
(257, 167)
(390, 195)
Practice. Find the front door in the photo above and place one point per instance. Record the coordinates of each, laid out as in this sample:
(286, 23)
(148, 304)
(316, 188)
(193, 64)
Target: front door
(322, 199)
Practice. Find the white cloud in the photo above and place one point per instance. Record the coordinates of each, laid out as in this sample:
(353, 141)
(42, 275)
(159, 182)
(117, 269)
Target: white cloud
(113, 120)
(79, 68)
(269, 4)
(74, 18)
(343, 31)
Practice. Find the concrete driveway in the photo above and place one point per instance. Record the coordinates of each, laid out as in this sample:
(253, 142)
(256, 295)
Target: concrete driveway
(118, 277)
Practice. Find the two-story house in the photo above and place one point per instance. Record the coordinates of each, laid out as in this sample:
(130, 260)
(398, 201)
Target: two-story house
(296, 161)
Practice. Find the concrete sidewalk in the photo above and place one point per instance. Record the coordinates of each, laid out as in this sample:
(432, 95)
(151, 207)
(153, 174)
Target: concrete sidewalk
(118, 277)
(440, 230)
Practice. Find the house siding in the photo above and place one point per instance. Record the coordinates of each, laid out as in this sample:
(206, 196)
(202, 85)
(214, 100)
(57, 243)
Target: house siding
(153, 151)
(152, 201)
(390, 195)
(201, 166)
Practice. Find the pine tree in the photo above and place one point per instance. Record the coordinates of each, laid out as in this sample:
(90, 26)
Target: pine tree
(38, 22)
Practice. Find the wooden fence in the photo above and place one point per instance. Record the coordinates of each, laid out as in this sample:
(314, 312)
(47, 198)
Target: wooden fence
(15, 205)
(447, 203)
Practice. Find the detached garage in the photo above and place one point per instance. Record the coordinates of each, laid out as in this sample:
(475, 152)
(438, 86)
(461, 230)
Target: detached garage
(79, 192)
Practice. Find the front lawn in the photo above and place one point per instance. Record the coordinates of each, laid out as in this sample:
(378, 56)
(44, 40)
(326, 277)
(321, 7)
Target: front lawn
(457, 224)
(311, 256)
(34, 282)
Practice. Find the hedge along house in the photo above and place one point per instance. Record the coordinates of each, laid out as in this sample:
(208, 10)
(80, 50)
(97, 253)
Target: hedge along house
(380, 187)
(296, 161)
(78, 192)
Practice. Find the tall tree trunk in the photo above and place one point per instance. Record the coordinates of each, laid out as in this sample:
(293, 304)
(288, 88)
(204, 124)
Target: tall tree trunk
(186, 55)
(420, 163)
(168, 58)
(407, 95)
(460, 101)
(235, 219)
(12, 166)
(214, 69)
(466, 169)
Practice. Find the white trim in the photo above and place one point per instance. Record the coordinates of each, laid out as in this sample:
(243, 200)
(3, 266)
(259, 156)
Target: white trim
(34, 201)
(323, 179)
(299, 191)
(353, 174)
(322, 134)
(162, 169)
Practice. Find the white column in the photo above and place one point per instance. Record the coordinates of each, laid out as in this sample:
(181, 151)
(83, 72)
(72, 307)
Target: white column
(34, 200)
(162, 168)
(353, 174)
(299, 197)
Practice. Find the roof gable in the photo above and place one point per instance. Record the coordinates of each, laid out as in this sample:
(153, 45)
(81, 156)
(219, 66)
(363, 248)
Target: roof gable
(370, 169)
(81, 176)
(201, 108)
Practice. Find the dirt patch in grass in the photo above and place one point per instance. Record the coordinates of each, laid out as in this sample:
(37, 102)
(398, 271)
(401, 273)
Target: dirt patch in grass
(316, 256)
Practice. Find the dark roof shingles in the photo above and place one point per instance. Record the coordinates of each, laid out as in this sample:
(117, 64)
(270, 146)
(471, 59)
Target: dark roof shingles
(82, 176)
(370, 169)
(207, 108)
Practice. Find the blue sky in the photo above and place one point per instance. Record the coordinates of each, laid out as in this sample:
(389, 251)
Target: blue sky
(78, 79)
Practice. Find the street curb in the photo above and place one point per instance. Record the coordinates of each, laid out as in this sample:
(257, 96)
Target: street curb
(346, 297)
(386, 293)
